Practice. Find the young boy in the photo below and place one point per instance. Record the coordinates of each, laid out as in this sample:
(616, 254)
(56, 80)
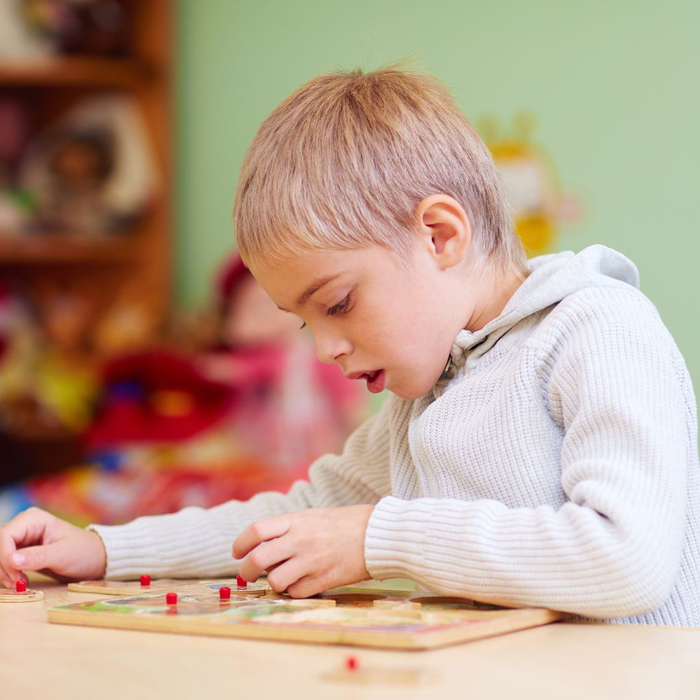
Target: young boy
(539, 447)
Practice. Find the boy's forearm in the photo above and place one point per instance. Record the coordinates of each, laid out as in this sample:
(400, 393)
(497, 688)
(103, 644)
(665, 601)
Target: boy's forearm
(572, 559)
(197, 542)
(194, 542)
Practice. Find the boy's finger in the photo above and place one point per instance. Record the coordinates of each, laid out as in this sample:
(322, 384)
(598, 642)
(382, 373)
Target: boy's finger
(305, 587)
(9, 577)
(5, 578)
(29, 527)
(35, 558)
(265, 557)
(7, 549)
(258, 532)
(286, 575)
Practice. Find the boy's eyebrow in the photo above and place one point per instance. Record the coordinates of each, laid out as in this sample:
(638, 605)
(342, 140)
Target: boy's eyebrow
(313, 288)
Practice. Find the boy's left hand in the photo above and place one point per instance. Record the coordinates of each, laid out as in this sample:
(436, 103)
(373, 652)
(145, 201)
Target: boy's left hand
(306, 552)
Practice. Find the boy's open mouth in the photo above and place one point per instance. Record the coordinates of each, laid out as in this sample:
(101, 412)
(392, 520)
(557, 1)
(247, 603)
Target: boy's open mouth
(375, 380)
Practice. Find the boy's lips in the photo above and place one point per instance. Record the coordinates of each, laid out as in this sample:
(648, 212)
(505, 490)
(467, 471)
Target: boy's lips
(375, 379)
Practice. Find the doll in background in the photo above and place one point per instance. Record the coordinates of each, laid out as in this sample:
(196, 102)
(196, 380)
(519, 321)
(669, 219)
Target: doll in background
(289, 407)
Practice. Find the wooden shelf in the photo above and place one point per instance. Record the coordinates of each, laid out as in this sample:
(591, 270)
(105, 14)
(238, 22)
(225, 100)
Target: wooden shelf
(94, 72)
(110, 272)
(65, 249)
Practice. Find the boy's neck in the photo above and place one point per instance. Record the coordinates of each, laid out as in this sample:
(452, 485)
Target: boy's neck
(498, 288)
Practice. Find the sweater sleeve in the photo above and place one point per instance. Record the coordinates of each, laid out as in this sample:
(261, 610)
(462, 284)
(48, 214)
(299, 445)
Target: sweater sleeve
(619, 390)
(197, 542)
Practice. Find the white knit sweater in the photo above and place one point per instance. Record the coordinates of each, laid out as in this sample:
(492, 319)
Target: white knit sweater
(554, 466)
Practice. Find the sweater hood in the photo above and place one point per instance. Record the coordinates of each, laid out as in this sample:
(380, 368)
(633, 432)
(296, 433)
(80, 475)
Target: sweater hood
(552, 278)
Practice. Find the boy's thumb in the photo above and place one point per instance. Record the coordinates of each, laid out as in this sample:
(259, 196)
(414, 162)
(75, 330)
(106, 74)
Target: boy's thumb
(34, 558)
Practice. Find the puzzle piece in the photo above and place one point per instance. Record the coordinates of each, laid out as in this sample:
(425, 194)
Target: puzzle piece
(20, 596)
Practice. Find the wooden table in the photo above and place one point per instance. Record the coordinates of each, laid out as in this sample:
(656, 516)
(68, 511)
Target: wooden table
(566, 661)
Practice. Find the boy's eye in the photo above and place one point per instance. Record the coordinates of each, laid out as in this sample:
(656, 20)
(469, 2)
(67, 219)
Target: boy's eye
(342, 307)
(303, 325)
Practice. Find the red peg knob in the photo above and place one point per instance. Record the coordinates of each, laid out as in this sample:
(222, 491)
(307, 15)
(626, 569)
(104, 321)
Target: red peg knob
(145, 581)
(242, 583)
(351, 663)
(225, 593)
(21, 586)
(171, 598)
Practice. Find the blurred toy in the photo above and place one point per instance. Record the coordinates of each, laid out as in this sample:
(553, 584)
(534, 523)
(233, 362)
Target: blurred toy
(79, 166)
(92, 171)
(19, 39)
(14, 136)
(65, 313)
(531, 184)
(17, 207)
(125, 326)
(154, 397)
(77, 26)
(20, 340)
(68, 390)
(38, 391)
(17, 211)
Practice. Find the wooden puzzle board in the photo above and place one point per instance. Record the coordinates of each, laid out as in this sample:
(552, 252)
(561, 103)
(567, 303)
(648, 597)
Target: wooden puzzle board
(351, 616)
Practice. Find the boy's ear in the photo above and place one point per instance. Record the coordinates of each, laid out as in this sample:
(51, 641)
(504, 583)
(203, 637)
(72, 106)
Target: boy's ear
(445, 229)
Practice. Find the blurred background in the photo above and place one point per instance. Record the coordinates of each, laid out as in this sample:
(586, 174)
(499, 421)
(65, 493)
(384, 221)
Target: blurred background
(141, 367)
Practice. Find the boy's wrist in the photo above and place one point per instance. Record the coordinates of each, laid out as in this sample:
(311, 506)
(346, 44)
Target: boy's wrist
(98, 554)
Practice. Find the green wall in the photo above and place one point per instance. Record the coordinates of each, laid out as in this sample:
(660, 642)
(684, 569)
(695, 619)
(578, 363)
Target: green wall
(614, 87)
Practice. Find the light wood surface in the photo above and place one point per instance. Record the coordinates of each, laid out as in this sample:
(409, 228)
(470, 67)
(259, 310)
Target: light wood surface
(563, 660)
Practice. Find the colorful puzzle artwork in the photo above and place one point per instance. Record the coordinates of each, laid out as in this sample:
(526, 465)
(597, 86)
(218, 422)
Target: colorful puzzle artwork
(350, 616)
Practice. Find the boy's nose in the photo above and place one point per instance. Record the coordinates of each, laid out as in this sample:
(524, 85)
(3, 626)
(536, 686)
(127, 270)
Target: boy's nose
(330, 348)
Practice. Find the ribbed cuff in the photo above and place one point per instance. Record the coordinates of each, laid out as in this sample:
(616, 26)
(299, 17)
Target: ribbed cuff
(395, 538)
(128, 548)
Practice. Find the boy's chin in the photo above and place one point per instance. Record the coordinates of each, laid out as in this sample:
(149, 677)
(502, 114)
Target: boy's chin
(412, 393)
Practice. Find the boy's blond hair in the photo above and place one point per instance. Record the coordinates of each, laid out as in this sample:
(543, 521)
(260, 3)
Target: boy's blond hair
(345, 160)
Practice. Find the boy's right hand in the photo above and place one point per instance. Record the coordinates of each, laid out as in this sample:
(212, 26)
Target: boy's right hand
(38, 541)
